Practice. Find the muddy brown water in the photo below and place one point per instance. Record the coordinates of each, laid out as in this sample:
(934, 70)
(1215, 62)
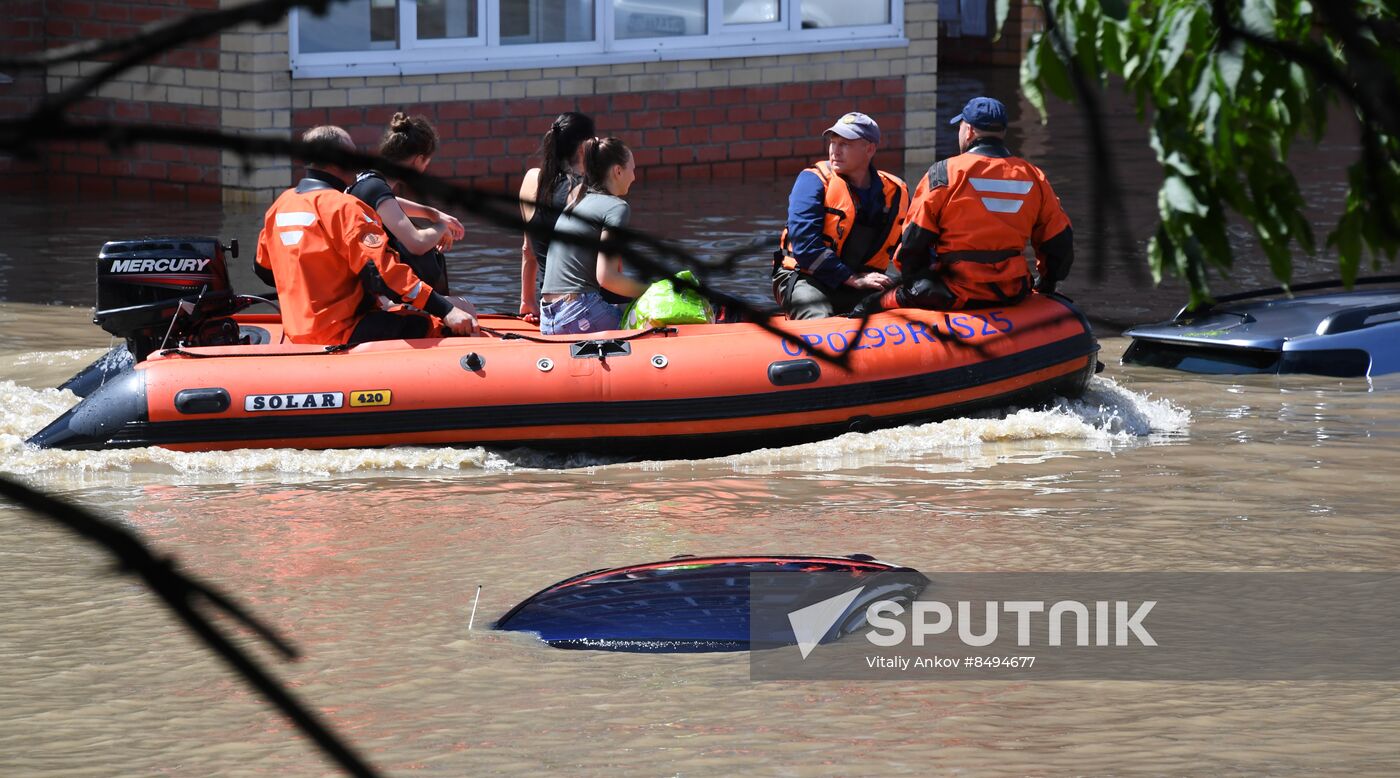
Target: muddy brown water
(369, 560)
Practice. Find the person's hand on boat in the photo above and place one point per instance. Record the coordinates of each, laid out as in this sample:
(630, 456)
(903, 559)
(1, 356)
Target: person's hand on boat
(463, 303)
(530, 311)
(459, 322)
(871, 281)
(455, 230)
(451, 230)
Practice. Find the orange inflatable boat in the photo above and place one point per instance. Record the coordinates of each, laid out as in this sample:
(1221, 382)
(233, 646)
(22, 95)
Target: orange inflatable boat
(678, 391)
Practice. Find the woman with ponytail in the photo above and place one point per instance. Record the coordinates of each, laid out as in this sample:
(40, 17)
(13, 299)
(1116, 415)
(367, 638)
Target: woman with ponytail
(575, 276)
(410, 142)
(560, 170)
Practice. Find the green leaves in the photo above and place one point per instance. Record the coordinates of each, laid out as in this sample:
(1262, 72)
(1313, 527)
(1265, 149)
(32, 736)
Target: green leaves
(1176, 195)
(1054, 71)
(1229, 66)
(1174, 44)
(1257, 16)
(1228, 91)
(1003, 10)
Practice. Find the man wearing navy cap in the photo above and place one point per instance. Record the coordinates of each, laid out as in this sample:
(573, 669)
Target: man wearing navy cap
(972, 215)
(844, 222)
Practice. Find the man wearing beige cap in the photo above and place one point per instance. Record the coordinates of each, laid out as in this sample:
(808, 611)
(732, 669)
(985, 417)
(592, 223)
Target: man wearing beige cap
(843, 226)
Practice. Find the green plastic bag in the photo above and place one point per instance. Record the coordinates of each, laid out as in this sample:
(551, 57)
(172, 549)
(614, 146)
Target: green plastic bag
(662, 303)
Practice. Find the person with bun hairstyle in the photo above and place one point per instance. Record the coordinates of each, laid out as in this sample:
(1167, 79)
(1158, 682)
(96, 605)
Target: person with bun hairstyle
(327, 254)
(575, 276)
(560, 171)
(411, 142)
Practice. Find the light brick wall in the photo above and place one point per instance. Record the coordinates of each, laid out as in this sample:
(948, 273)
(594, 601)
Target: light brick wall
(920, 86)
(255, 85)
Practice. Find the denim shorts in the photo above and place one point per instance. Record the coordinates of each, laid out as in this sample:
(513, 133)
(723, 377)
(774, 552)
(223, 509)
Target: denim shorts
(586, 313)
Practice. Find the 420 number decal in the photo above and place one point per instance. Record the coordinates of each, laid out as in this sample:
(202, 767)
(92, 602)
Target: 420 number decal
(366, 398)
(956, 326)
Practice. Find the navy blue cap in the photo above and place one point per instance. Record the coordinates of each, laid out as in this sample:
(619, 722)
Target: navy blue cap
(984, 113)
(856, 126)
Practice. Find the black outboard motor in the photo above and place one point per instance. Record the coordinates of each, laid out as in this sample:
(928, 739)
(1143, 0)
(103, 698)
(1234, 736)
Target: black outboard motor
(165, 292)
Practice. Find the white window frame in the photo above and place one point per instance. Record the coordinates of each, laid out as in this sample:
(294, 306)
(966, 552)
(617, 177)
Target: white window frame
(408, 30)
(485, 52)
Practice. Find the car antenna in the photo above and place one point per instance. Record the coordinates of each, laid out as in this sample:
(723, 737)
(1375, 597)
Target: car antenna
(476, 600)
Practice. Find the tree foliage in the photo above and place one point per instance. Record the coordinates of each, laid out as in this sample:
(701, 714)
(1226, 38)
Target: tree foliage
(1227, 89)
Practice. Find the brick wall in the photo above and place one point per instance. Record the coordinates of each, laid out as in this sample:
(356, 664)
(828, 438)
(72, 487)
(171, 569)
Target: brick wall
(696, 134)
(161, 172)
(178, 88)
(752, 117)
(74, 21)
(22, 29)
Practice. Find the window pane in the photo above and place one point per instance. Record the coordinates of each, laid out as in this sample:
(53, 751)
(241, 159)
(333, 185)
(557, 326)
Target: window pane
(438, 19)
(660, 18)
(546, 21)
(844, 13)
(356, 25)
(751, 11)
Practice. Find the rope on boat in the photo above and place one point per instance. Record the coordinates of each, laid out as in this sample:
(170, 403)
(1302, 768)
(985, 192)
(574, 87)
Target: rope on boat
(179, 352)
(343, 347)
(658, 330)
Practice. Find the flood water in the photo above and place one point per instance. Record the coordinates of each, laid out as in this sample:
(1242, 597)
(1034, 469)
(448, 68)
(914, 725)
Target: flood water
(369, 560)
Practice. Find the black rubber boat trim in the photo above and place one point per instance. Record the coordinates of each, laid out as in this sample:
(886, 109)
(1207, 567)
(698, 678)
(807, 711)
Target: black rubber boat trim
(341, 425)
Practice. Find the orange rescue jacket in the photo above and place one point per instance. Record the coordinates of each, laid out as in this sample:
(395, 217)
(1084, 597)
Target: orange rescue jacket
(969, 222)
(319, 244)
(841, 216)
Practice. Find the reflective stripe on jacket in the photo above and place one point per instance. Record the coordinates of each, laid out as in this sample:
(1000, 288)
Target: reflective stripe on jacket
(840, 219)
(319, 244)
(971, 218)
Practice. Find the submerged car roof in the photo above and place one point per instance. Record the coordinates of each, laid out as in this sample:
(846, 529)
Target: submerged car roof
(1338, 333)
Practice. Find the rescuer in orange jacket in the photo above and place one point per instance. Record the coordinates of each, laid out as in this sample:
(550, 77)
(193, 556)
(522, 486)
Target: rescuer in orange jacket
(972, 215)
(844, 223)
(329, 258)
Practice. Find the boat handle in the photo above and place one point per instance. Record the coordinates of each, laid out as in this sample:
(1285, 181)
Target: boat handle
(599, 349)
(794, 371)
(207, 400)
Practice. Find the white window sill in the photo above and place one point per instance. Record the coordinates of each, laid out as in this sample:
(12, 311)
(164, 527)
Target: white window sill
(414, 63)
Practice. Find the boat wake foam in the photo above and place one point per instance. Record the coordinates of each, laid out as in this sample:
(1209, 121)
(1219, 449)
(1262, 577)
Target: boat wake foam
(1106, 418)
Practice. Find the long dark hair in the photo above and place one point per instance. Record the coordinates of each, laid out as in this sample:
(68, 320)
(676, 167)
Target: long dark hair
(560, 144)
(599, 156)
(407, 137)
